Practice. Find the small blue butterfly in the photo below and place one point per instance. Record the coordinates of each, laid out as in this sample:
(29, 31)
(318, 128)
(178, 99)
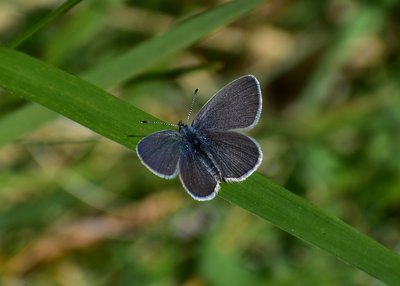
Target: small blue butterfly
(211, 149)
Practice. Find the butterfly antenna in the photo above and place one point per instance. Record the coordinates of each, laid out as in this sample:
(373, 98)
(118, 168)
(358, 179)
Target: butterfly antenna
(192, 105)
(159, 122)
(153, 122)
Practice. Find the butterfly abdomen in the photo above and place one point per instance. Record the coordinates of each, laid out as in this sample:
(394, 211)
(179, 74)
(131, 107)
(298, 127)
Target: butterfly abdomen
(199, 145)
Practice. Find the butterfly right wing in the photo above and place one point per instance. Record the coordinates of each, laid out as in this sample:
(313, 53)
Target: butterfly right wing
(160, 152)
(236, 106)
(236, 155)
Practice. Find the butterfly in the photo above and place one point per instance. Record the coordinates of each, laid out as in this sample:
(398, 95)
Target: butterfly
(212, 148)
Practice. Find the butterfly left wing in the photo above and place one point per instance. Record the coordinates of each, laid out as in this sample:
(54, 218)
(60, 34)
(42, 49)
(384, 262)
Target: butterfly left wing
(236, 106)
(236, 155)
(196, 177)
(160, 152)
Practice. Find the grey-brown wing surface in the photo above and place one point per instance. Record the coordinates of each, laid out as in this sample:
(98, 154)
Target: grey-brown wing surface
(160, 152)
(236, 155)
(196, 177)
(236, 106)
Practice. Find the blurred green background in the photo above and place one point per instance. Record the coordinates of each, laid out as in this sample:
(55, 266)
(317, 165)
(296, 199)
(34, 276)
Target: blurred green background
(78, 209)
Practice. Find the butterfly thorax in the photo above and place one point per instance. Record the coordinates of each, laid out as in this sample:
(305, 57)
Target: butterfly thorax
(194, 139)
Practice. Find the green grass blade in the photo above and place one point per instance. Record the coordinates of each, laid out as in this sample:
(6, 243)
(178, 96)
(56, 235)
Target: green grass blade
(37, 114)
(140, 58)
(181, 36)
(115, 119)
(22, 121)
(78, 31)
(309, 223)
(71, 97)
(43, 22)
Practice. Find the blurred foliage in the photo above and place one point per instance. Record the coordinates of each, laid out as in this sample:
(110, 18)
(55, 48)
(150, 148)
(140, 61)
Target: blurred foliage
(79, 210)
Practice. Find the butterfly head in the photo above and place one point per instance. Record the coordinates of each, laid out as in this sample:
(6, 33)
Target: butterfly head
(181, 125)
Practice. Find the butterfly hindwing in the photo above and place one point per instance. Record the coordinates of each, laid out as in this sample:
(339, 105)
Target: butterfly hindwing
(196, 175)
(236, 155)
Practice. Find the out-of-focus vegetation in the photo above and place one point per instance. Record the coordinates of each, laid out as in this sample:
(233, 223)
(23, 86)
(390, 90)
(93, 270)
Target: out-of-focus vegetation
(76, 209)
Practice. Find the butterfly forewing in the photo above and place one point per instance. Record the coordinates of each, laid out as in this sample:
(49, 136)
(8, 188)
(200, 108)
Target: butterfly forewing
(235, 106)
(160, 152)
(236, 155)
